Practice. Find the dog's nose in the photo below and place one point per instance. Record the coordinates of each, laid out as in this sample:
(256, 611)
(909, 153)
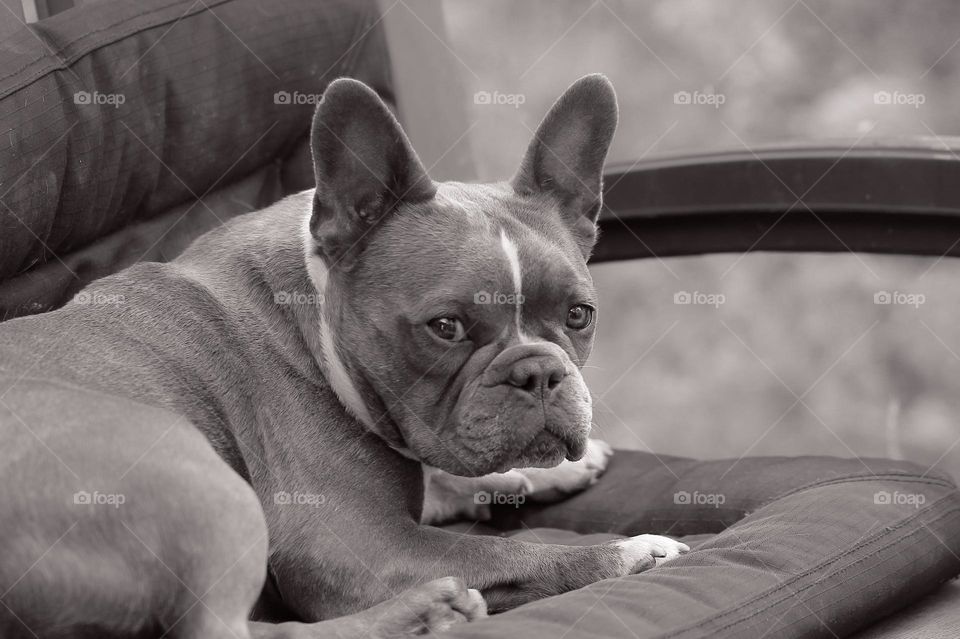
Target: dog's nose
(535, 368)
(537, 375)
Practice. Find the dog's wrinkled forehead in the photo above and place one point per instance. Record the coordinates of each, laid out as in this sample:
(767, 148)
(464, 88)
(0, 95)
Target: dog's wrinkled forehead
(531, 220)
(482, 238)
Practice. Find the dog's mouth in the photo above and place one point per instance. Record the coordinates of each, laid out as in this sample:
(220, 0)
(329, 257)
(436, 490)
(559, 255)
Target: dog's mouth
(548, 448)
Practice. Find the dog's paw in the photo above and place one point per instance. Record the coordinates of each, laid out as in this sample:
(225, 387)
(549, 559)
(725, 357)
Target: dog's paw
(451, 498)
(433, 607)
(512, 482)
(553, 484)
(646, 551)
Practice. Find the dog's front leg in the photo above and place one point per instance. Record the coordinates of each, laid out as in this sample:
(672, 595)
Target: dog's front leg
(340, 567)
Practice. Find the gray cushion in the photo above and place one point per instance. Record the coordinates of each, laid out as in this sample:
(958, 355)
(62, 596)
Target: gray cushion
(114, 112)
(799, 547)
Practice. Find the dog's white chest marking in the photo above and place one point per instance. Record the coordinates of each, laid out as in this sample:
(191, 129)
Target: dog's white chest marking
(337, 374)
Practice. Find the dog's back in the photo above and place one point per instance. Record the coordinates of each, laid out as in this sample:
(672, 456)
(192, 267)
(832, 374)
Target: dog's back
(114, 400)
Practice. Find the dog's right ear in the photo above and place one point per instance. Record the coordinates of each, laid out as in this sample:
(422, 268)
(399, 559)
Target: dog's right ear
(566, 156)
(364, 166)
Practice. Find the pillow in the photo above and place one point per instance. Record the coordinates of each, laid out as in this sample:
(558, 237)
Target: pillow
(115, 111)
(803, 547)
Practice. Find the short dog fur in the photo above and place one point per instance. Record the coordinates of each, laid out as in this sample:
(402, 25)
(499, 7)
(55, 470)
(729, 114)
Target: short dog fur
(267, 402)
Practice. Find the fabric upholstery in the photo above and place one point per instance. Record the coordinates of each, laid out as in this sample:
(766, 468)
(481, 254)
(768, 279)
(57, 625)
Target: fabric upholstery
(936, 616)
(114, 112)
(798, 547)
(803, 547)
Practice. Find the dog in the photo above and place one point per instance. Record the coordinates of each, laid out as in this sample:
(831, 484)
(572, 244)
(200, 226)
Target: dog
(265, 408)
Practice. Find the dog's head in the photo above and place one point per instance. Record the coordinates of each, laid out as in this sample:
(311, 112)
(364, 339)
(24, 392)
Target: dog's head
(457, 316)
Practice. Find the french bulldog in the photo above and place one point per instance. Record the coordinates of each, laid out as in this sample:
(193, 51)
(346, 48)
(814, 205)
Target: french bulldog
(264, 409)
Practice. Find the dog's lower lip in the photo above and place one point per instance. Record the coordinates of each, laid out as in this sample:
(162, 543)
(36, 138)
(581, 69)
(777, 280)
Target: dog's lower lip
(551, 447)
(573, 447)
(575, 451)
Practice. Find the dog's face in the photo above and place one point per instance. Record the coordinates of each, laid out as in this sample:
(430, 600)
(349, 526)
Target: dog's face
(457, 316)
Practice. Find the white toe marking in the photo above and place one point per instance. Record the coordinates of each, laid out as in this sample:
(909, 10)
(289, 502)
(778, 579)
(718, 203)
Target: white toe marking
(598, 454)
(477, 605)
(571, 476)
(636, 549)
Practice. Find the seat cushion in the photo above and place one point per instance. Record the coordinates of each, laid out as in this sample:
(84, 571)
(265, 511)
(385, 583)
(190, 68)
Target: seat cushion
(786, 547)
(114, 112)
(936, 616)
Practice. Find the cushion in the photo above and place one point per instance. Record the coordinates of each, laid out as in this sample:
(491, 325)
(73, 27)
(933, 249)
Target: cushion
(784, 547)
(114, 112)
(936, 616)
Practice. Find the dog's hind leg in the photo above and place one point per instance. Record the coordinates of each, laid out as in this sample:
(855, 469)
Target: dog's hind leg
(432, 607)
(133, 526)
(220, 555)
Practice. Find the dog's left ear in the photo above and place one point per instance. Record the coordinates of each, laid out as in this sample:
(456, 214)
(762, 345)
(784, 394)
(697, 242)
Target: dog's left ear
(566, 156)
(365, 169)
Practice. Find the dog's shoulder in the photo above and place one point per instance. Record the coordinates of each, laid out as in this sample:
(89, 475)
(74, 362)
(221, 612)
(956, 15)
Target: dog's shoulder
(268, 231)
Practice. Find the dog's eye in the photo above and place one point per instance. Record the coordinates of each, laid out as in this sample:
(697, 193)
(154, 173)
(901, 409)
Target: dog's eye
(579, 317)
(449, 329)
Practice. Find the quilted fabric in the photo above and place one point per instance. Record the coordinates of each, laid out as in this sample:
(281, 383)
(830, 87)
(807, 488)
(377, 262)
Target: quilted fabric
(803, 547)
(116, 111)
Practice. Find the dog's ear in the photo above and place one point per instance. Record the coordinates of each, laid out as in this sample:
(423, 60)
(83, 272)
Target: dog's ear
(566, 156)
(364, 166)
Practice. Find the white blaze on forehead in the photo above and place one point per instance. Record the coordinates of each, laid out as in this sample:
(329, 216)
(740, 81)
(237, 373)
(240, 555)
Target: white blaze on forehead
(337, 375)
(513, 259)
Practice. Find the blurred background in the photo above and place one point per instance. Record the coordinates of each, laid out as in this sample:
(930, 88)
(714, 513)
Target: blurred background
(798, 359)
